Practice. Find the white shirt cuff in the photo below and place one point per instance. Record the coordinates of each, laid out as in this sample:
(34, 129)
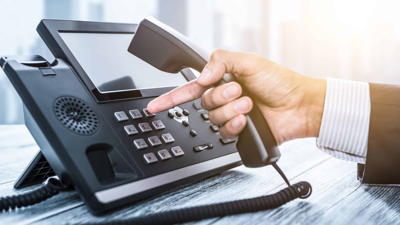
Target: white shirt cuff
(345, 120)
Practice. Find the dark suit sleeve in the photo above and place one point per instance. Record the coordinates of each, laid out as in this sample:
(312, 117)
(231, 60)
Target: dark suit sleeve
(383, 156)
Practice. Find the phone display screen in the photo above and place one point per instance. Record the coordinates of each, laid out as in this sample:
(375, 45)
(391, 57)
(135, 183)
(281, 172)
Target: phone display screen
(105, 59)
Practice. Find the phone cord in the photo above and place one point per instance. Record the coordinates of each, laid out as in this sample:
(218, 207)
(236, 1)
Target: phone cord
(299, 190)
(52, 186)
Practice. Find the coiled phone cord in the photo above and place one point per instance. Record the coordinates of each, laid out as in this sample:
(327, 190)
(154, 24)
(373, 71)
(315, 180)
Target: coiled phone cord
(299, 190)
(53, 186)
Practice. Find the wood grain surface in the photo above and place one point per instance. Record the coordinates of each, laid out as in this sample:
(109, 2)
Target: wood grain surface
(338, 198)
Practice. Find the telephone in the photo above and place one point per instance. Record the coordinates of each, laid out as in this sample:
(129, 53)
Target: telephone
(87, 112)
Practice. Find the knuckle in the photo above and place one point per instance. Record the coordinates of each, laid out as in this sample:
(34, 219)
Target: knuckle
(216, 54)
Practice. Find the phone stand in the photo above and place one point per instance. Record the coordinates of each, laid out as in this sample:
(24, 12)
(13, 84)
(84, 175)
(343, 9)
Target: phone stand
(37, 171)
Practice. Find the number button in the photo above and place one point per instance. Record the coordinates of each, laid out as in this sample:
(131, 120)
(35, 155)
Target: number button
(140, 143)
(158, 124)
(135, 114)
(150, 158)
(167, 137)
(145, 127)
(130, 130)
(177, 151)
(154, 141)
(121, 116)
(147, 113)
(164, 154)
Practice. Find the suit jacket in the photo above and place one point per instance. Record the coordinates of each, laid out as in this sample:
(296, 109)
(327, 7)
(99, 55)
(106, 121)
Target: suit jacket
(383, 158)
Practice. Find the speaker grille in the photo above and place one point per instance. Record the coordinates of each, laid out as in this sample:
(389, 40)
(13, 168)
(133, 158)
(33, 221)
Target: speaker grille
(76, 115)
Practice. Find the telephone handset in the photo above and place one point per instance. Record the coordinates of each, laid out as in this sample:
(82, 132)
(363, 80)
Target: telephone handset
(256, 145)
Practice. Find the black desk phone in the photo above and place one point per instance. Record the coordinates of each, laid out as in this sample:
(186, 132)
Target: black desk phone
(87, 112)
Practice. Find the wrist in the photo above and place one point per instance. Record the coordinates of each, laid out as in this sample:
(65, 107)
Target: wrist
(314, 100)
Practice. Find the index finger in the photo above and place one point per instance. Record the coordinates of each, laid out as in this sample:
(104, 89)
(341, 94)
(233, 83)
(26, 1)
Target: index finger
(187, 92)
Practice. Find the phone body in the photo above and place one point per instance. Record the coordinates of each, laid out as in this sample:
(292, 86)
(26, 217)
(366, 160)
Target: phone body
(86, 111)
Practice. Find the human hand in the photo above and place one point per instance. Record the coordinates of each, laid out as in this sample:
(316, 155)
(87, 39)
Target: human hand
(291, 103)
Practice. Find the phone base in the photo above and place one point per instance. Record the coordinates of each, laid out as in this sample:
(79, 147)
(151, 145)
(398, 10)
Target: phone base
(37, 172)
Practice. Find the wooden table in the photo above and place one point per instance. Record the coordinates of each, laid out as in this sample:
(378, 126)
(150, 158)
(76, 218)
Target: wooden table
(338, 198)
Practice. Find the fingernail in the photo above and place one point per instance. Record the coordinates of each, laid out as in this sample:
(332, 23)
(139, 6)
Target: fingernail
(205, 75)
(237, 122)
(231, 91)
(242, 105)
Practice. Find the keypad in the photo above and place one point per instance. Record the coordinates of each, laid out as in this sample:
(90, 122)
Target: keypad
(145, 127)
(150, 158)
(177, 151)
(158, 124)
(154, 141)
(130, 129)
(121, 116)
(135, 114)
(147, 113)
(167, 138)
(164, 154)
(140, 143)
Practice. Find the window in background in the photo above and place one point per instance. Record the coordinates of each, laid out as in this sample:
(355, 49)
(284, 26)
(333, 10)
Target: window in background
(356, 39)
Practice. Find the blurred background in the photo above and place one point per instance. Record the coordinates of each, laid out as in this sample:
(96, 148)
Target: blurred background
(350, 39)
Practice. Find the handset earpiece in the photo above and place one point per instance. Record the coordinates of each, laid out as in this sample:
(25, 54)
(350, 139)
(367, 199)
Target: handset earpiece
(169, 51)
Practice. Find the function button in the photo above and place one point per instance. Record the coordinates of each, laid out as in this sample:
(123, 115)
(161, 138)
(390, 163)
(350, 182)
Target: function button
(121, 116)
(193, 133)
(185, 123)
(147, 113)
(130, 129)
(214, 128)
(164, 154)
(154, 141)
(178, 114)
(177, 151)
(171, 114)
(140, 143)
(226, 141)
(150, 158)
(185, 112)
(145, 127)
(167, 137)
(204, 116)
(135, 113)
(202, 147)
(158, 124)
(196, 104)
